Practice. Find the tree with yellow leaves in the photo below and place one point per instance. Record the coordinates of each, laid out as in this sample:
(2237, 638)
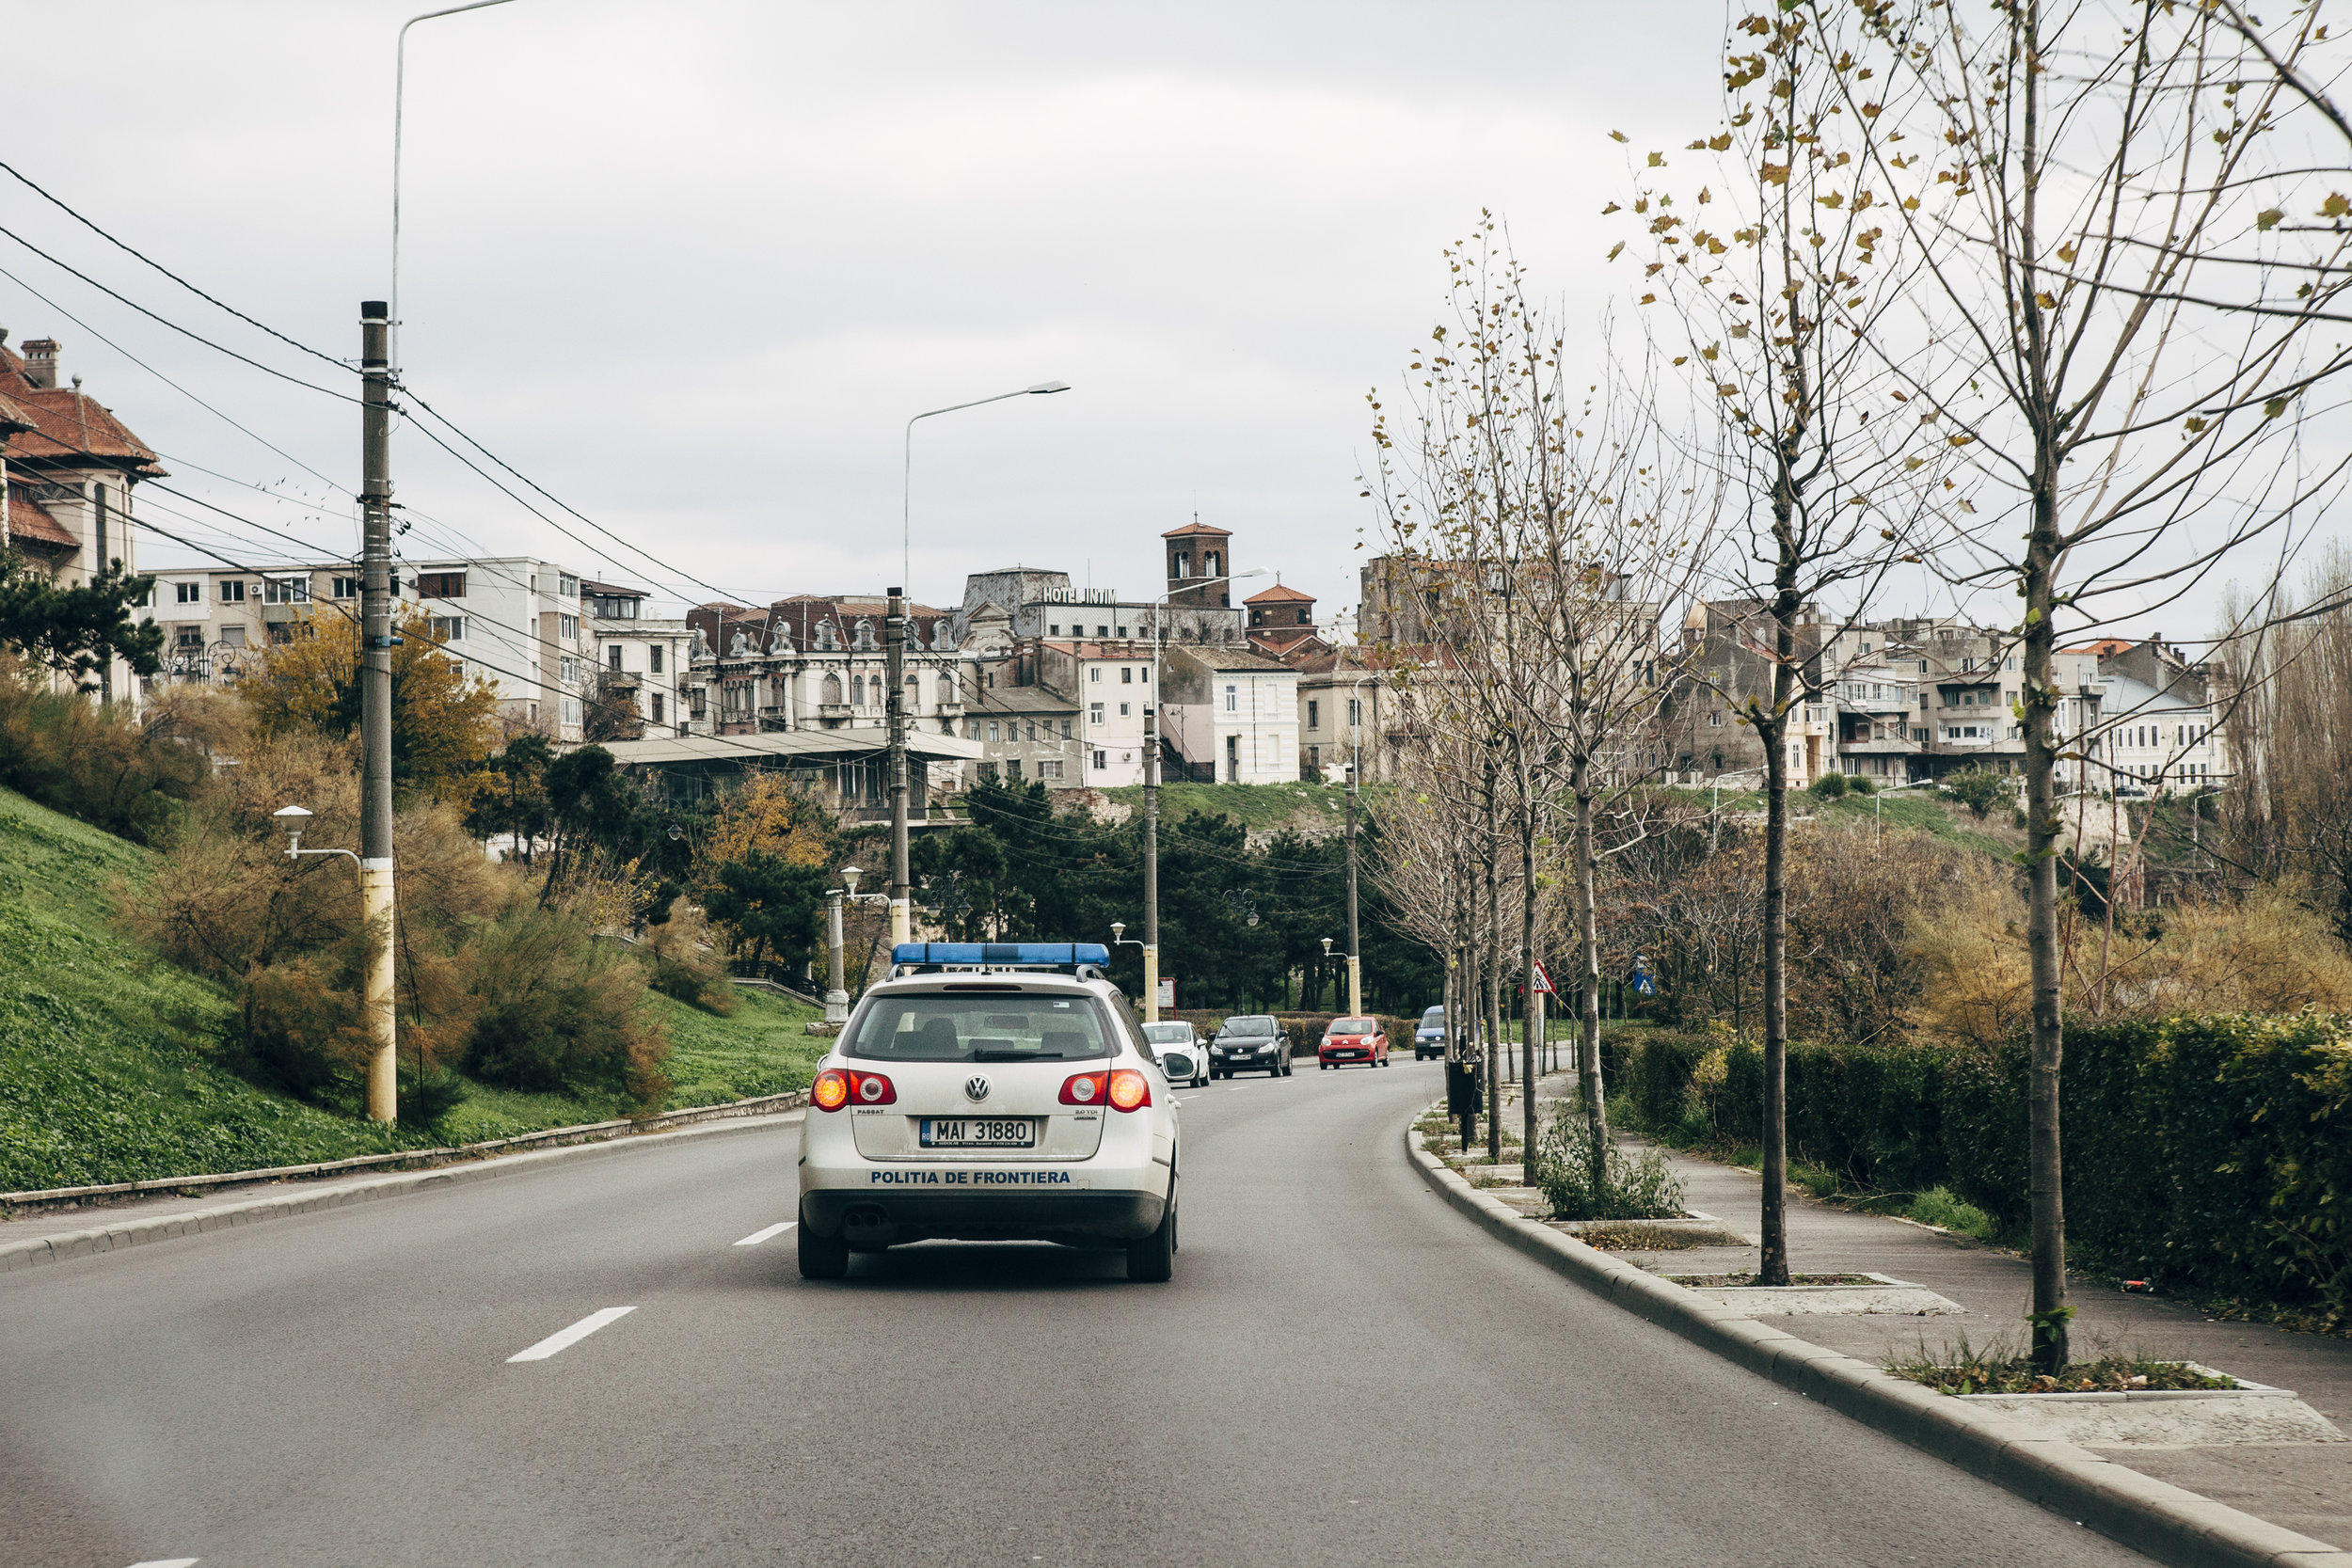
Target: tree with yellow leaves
(443, 722)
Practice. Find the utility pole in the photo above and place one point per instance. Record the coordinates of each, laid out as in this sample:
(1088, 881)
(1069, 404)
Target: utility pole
(375, 703)
(894, 665)
(1151, 846)
(1354, 955)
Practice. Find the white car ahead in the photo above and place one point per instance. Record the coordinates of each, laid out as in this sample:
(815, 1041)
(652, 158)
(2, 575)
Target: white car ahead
(1184, 1055)
(998, 1091)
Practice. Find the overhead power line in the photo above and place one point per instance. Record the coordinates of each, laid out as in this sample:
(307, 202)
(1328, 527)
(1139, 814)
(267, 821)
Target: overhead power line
(291, 343)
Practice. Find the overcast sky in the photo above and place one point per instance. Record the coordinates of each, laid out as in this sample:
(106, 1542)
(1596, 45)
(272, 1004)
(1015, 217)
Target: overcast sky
(692, 267)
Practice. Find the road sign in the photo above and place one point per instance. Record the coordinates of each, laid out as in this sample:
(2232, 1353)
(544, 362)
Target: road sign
(1543, 980)
(1167, 992)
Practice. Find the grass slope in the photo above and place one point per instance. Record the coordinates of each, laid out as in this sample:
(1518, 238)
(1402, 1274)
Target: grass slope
(1918, 809)
(1313, 808)
(105, 1069)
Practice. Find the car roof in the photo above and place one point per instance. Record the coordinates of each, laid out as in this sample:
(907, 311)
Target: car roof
(1037, 980)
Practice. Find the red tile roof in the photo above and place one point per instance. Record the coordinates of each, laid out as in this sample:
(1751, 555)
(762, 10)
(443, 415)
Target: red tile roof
(68, 425)
(1197, 528)
(27, 522)
(1279, 594)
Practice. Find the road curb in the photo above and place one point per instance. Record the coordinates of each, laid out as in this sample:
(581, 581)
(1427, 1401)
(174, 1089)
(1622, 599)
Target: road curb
(2168, 1523)
(163, 1227)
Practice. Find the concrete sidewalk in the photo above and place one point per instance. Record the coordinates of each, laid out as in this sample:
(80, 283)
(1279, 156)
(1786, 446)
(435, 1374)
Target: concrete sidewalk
(2305, 1487)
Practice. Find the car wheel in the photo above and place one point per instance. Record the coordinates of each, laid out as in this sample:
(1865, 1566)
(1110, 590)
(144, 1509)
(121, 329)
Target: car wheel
(1152, 1260)
(822, 1256)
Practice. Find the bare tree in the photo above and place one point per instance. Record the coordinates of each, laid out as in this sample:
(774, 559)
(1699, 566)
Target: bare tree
(2126, 246)
(1776, 292)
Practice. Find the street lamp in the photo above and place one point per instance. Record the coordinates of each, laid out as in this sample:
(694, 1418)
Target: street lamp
(894, 659)
(837, 992)
(400, 92)
(1152, 793)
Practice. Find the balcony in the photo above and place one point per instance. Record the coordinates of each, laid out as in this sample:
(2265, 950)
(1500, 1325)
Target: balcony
(950, 710)
(834, 710)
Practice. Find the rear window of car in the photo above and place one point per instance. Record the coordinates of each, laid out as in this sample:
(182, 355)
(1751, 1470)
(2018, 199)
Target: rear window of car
(1434, 1016)
(990, 1028)
(1250, 1026)
(1167, 1034)
(1354, 1027)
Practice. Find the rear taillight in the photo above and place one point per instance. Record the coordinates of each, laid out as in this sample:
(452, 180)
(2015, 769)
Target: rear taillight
(837, 1086)
(1083, 1088)
(1130, 1090)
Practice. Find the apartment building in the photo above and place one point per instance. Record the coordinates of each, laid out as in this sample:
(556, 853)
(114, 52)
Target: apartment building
(639, 662)
(1108, 684)
(513, 621)
(1027, 734)
(1347, 713)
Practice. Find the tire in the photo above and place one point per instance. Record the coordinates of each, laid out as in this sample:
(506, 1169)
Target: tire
(1152, 1260)
(822, 1258)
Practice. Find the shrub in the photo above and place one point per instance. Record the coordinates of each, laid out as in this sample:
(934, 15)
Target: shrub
(1979, 789)
(1830, 787)
(1938, 1206)
(101, 763)
(557, 1010)
(1861, 784)
(2210, 1151)
(1630, 1188)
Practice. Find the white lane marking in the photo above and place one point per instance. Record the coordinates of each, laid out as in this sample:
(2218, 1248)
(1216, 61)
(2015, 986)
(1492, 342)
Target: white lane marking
(768, 1235)
(566, 1337)
(170, 1562)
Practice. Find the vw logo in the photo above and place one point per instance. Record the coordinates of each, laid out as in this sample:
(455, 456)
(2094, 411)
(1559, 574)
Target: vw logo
(976, 1088)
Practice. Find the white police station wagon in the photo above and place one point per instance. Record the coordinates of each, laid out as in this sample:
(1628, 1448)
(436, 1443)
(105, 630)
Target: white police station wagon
(990, 1091)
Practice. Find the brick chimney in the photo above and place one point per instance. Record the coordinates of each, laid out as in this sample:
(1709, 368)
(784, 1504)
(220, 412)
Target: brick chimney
(40, 361)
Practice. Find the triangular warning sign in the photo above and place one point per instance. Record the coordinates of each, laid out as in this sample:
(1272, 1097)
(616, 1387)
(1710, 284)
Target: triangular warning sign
(1543, 980)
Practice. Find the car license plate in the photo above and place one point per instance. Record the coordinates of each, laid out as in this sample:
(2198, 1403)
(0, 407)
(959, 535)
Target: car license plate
(979, 1133)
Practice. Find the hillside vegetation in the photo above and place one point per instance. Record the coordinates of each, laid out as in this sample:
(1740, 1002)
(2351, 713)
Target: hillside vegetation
(107, 1070)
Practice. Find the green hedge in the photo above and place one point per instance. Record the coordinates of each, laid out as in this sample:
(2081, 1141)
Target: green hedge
(2209, 1151)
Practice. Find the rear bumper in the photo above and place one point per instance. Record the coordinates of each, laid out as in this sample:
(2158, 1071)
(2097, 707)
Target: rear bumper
(1347, 1053)
(888, 1216)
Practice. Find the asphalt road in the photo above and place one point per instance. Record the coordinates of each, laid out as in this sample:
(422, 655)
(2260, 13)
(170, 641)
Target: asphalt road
(1343, 1371)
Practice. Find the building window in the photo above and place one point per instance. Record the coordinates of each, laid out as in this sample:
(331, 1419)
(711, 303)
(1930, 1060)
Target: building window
(1094, 713)
(1314, 714)
(1065, 729)
(1126, 671)
(991, 736)
(285, 590)
(1053, 630)
(1012, 768)
(1102, 631)
(1094, 673)
(567, 672)
(1032, 729)
(613, 657)
(232, 591)
(188, 593)
(1716, 718)
(1102, 760)
(571, 711)
(857, 691)
(232, 637)
(1049, 769)
(448, 628)
(566, 586)
(1314, 757)
(1355, 711)
(1233, 699)
(347, 588)
(1122, 710)
(567, 627)
(440, 585)
(656, 707)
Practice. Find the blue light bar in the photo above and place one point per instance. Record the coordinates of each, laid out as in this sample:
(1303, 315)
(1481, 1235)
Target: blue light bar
(1059, 953)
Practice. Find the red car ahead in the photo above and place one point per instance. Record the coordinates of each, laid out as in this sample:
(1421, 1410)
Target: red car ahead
(1353, 1039)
